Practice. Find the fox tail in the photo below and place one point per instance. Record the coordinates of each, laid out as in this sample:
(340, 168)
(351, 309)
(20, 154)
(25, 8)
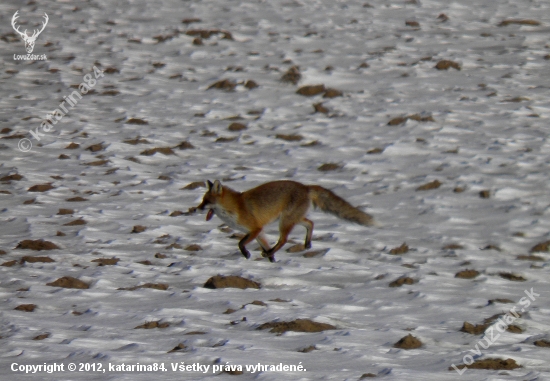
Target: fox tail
(331, 203)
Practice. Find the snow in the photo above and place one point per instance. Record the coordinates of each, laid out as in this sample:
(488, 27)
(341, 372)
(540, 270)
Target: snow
(489, 132)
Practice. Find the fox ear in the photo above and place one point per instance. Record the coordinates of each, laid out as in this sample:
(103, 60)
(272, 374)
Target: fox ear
(216, 188)
(209, 184)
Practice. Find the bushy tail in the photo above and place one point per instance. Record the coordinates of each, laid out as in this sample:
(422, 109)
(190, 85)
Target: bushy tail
(329, 202)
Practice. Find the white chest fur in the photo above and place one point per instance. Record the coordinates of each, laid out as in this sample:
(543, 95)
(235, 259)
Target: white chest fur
(229, 218)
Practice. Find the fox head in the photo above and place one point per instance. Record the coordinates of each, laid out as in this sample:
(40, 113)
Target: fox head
(211, 197)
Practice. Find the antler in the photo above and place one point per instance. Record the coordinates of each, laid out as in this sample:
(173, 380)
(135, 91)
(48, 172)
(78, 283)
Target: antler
(37, 33)
(15, 17)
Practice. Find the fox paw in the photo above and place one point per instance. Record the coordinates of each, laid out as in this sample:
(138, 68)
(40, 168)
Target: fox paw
(246, 254)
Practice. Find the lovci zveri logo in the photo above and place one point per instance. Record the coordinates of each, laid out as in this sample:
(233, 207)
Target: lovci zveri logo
(29, 41)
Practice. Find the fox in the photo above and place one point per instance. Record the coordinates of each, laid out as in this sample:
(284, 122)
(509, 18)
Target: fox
(286, 200)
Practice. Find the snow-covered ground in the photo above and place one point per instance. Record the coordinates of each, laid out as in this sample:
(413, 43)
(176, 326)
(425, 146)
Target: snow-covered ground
(481, 128)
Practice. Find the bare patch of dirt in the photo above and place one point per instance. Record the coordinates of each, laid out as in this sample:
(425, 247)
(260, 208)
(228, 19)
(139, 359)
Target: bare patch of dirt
(69, 282)
(535, 258)
(500, 300)
(13, 177)
(65, 211)
(224, 84)
(512, 277)
(40, 188)
(542, 343)
(453, 246)
(447, 64)
(402, 119)
(332, 93)
(408, 342)
(9, 263)
(401, 281)
(292, 75)
(485, 193)
(519, 22)
(195, 185)
(154, 286)
(153, 324)
(221, 281)
(38, 245)
(136, 141)
(106, 261)
(227, 139)
(163, 150)
(78, 222)
(235, 126)
(30, 259)
(298, 325)
(403, 249)
(541, 247)
(311, 90)
(137, 121)
(290, 138)
(77, 199)
(139, 229)
(467, 274)
(296, 248)
(329, 167)
(178, 348)
(193, 247)
(25, 307)
(428, 186)
(318, 107)
(42, 336)
(491, 364)
(95, 147)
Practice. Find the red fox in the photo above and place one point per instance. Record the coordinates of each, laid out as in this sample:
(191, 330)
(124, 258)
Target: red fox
(288, 201)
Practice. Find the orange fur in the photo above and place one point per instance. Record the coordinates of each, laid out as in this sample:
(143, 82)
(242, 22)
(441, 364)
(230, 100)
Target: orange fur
(288, 201)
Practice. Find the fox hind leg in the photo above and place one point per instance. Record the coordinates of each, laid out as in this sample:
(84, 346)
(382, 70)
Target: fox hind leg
(285, 227)
(308, 224)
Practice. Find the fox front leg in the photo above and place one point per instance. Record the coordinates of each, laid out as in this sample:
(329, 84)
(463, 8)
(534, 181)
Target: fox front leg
(246, 240)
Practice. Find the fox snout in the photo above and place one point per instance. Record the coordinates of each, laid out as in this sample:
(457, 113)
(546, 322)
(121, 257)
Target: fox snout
(204, 204)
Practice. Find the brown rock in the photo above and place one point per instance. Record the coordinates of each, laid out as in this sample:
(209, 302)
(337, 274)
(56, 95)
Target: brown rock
(491, 364)
(221, 281)
(403, 249)
(224, 84)
(9, 263)
(446, 64)
(106, 261)
(95, 147)
(250, 84)
(153, 324)
(185, 145)
(311, 90)
(318, 107)
(13, 177)
(195, 185)
(154, 286)
(65, 211)
(477, 329)
(541, 247)
(137, 121)
(178, 348)
(162, 150)
(289, 138)
(236, 127)
(292, 75)
(77, 199)
(329, 167)
(401, 281)
(41, 337)
(139, 229)
(512, 277)
(467, 274)
(542, 343)
(25, 307)
(193, 247)
(31, 259)
(530, 258)
(428, 186)
(78, 222)
(40, 187)
(485, 193)
(37, 245)
(519, 22)
(69, 282)
(408, 342)
(298, 325)
(332, 93)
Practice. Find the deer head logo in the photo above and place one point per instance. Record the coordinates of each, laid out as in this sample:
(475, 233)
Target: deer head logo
(29, 41)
